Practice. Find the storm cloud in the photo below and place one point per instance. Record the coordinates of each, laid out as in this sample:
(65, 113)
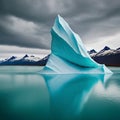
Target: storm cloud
(27, 23)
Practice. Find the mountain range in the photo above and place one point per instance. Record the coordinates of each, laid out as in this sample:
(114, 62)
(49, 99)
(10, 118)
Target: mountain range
(107, 56)
(25, 60)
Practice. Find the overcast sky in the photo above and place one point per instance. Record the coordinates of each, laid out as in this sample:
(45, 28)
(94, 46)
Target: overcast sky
(25, 24)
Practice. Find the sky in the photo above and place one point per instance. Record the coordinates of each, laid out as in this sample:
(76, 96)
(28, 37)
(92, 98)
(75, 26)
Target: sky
(25, 24)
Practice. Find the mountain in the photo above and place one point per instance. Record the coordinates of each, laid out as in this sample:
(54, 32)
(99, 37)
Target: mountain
(108, 56)
(105, 48)
(92, 51)
(118, 49)
(105, 56)
(43, 61)
(25, 60)
(104, 51)
(25, 56)
(11, 58)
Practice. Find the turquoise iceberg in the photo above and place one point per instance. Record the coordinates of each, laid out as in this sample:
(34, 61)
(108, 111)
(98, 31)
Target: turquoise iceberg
(68, 54)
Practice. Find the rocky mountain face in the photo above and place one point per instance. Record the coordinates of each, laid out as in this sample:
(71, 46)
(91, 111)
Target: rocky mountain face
(107, 56)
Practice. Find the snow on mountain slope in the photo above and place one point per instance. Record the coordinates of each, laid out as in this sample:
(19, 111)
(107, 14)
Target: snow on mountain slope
(32, 58)
(108, 57)
(13, 60)
(105, 56)
(92, 51)
(106, 51)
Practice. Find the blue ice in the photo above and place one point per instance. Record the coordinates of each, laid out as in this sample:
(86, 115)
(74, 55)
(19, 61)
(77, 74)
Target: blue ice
(68, 53)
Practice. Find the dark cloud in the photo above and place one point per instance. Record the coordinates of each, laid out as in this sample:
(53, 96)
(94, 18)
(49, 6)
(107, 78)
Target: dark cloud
(16, 31)
(27, 23)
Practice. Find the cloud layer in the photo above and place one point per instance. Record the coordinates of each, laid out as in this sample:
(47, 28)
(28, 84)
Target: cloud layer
(26, 23)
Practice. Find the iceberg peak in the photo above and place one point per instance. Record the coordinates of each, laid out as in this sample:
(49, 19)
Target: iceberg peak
(68, 53)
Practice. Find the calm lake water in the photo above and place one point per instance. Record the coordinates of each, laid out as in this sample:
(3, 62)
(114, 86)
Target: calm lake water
(27, 95)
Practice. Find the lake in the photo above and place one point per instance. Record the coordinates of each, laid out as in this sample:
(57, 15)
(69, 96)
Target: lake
(27, 95)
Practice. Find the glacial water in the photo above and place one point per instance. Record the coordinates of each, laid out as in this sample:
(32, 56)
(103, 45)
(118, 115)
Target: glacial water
(27, 95)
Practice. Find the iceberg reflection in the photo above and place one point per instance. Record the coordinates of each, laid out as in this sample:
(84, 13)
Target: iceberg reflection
(69, 93)
(29, 96)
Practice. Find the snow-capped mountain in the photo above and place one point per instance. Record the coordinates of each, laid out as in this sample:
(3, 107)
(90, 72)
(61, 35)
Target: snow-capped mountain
(11, 58)
(92, 52)
(107, 56)
(25, 60)
(43, 61)
(105, 51)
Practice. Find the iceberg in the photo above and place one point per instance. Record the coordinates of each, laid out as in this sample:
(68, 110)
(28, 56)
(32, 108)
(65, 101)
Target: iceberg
(68, 53)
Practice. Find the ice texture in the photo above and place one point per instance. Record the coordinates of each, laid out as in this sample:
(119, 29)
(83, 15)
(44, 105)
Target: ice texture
(68, 53)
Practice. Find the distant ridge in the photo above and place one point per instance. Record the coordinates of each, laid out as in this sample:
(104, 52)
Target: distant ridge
(25, 60)
(11, 58)
(107, 56)
(92, 51)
